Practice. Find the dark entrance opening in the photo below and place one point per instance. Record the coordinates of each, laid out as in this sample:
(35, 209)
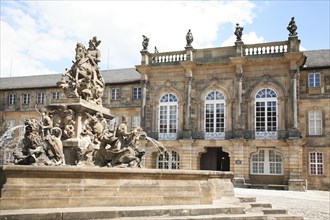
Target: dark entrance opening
(215, 159)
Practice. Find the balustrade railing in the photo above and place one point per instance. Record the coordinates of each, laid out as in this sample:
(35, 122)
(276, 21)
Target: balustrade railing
(214, 135)
(167, 136)
(168, 57)
(266, 135)
(266, 48)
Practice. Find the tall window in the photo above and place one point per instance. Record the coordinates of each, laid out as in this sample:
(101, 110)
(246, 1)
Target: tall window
(315, 123)
(169, 160)
(214, 115)
(314, 80)
(137, 93)
(26, 98)
(316, 163)
(12, 99)
(55, 95)
(135, 121)
(266, 114)
(115, 93)
(266, 161)
(41, 98)
(168, 117)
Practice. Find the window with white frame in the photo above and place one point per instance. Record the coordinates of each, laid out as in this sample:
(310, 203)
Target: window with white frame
(41, 98)
(214, 115)
(115, 93)
(169, 160)
(135, 121)
(314, 80)
(137, 92)
(55, 95)
(168, 117)
(266, 162)
(316, 163)
(12, 99)
(315, 123)
(26, 98)
(266, 114)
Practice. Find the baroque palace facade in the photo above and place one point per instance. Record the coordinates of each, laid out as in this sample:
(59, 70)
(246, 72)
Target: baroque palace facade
(261, 110)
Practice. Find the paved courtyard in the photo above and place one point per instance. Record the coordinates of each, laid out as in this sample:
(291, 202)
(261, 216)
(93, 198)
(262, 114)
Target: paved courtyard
(313, 205)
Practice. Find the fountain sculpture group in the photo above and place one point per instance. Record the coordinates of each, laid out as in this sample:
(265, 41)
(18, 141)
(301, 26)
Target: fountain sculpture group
(80, 119)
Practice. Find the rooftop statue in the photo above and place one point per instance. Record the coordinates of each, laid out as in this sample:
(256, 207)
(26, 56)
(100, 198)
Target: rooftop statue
(189, 38)
(238, 32)
(83, 79)
(292, 27)
(145, 42)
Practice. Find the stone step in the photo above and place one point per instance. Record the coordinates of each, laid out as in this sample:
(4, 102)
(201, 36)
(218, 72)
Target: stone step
(247, 199)
(257, 204)
(203, 217)
(285, 217)
(120, 212)
(274, 211)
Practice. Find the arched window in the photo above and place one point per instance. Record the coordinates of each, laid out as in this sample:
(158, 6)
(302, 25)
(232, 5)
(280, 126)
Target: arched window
(169, 160)
(266, 114)
(266, 161)
(214, 115)
(168, 117)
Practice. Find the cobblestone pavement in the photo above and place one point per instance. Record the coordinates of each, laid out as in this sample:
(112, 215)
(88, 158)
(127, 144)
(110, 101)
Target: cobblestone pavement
(313, 205)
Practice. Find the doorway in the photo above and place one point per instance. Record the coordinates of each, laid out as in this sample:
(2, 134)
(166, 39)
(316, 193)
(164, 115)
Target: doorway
(215, 159)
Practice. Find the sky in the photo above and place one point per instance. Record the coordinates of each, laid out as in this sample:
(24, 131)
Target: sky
(39, 37)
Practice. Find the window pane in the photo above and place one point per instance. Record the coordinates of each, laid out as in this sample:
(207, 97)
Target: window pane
(315, 122)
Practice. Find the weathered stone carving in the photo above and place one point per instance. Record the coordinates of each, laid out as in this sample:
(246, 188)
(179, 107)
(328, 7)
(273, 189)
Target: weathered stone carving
(64, 118)
(238, 32)
(102, 147)
(42, 144)
(145, 42)
(80, 124)
(84, 79)
(189, 38)
(292, 27)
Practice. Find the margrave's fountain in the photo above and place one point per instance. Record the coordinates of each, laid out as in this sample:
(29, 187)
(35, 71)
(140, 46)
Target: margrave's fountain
(73, 131)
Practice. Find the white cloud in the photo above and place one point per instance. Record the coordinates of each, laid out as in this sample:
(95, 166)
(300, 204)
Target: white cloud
(249, 38)
(37, 35)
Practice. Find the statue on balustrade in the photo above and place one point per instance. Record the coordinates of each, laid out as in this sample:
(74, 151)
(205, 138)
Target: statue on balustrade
(145, 42)
(238, 32)
(84, 79)
(292, 27)
(189, 38)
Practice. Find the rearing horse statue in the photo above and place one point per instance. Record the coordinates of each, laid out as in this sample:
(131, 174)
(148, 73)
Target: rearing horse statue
(83, 80)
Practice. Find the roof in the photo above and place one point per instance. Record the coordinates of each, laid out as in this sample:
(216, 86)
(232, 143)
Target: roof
(41, 81)
(317, 58)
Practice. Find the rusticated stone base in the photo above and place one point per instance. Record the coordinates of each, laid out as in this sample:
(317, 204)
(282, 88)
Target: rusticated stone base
(27, 187)
(297, 185)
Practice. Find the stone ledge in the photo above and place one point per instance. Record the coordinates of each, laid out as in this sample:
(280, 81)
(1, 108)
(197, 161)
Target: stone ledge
(65, 186)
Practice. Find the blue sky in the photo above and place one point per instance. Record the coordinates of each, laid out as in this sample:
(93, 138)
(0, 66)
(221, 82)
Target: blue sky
(39, 37)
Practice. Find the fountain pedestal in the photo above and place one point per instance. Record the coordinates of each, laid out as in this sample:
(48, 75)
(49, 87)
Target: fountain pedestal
(80, 107)
(27, 187)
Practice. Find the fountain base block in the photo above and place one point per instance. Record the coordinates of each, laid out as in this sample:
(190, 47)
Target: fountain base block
(29, 187)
